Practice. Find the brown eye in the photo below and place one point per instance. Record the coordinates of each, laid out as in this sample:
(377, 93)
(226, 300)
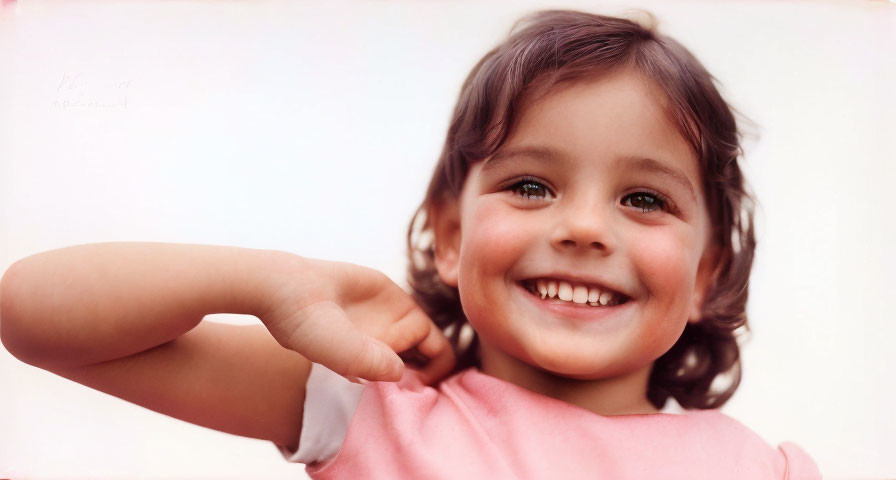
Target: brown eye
(647, 202)
(530, 189)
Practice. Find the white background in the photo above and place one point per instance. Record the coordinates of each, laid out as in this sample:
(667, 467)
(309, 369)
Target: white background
(314, 129)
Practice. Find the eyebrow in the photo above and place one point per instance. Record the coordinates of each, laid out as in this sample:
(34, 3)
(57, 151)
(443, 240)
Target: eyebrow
(550, 154)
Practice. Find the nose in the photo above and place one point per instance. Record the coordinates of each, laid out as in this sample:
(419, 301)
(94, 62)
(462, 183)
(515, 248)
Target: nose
(583, 226)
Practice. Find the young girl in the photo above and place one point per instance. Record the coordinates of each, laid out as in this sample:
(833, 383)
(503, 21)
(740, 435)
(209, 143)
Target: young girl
(587, 219)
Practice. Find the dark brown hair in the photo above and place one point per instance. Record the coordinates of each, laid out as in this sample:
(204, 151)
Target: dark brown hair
(552, 47)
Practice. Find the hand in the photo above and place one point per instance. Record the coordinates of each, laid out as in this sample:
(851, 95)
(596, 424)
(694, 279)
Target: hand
(353, 320)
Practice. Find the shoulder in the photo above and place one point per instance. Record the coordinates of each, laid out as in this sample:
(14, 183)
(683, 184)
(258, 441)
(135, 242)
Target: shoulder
(333, 406)
(713, 427)
(715, 432)
(402, 429)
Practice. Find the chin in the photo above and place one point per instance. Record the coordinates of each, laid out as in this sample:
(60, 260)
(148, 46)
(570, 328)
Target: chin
(582, 368)
(570, 368)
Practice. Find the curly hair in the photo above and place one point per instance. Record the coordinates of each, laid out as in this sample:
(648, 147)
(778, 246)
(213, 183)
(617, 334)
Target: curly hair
(545, 49)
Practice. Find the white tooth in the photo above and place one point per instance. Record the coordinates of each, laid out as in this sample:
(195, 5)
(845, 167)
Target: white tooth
(594, 304)
(552, 288)
(542, 288)
(580, 294)
(564, 291)
(593, 295)
(605, 298)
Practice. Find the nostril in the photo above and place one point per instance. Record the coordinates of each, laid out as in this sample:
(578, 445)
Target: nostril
(572, 243)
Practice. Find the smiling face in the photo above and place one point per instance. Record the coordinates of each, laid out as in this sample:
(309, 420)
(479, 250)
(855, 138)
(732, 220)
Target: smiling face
(594, 192)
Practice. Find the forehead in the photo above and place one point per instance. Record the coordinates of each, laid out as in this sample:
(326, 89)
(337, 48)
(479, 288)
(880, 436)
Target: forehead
(608, 117)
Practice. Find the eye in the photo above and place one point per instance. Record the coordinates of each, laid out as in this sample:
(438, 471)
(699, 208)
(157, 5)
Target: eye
(531, 188)
(646, 201)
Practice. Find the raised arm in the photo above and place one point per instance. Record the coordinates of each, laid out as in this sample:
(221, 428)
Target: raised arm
(125, 319)
(91, 303)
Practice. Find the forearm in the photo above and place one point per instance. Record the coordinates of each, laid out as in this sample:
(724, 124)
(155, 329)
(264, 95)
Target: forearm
(92, 303)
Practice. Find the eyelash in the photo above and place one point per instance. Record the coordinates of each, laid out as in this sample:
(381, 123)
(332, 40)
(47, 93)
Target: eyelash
(662, 201)
(529, 181)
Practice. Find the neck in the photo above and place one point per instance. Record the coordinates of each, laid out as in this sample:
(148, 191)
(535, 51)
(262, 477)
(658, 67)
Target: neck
(618, 395)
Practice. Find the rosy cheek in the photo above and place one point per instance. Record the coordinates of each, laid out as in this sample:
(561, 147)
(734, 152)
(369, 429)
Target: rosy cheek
(485, 240)
(666, 260)
(491, 232)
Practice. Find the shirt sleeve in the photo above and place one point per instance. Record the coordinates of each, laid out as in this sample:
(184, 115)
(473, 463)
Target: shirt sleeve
(800, 465)
(330, 402)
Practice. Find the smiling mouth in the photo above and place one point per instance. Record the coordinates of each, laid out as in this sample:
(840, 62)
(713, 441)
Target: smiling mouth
(573, 294)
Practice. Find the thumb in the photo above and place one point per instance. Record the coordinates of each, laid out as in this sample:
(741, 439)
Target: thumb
(324, 334)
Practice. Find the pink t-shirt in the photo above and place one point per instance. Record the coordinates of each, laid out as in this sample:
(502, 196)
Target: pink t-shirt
(474, 426)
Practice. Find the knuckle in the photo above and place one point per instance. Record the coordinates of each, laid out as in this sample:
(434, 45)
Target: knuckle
(412, 333)
(421, 329)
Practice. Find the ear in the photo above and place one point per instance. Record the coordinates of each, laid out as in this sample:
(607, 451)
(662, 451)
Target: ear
(707, 273)
(444, 219)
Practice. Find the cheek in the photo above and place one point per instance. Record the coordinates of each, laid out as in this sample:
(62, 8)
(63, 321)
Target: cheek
(493, 238)
(492, 243)
(667, 263)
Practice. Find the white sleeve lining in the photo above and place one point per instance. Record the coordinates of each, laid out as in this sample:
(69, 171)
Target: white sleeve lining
(330, 402)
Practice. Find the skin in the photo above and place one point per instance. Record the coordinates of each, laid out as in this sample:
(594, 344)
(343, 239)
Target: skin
(126, 319)
(592, 212)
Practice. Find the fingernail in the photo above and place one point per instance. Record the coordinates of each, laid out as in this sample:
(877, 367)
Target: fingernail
(359, 381)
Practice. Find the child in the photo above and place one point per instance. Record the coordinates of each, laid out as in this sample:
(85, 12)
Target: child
(588, 220)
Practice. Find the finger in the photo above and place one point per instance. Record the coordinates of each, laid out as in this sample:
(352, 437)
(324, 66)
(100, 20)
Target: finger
(440, 353)
(324, 334)
(409, 331)
(422, 345)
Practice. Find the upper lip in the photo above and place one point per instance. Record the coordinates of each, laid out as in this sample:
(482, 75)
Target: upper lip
(579, 279)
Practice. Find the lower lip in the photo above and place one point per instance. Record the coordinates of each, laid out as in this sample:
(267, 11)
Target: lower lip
(575, 311)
